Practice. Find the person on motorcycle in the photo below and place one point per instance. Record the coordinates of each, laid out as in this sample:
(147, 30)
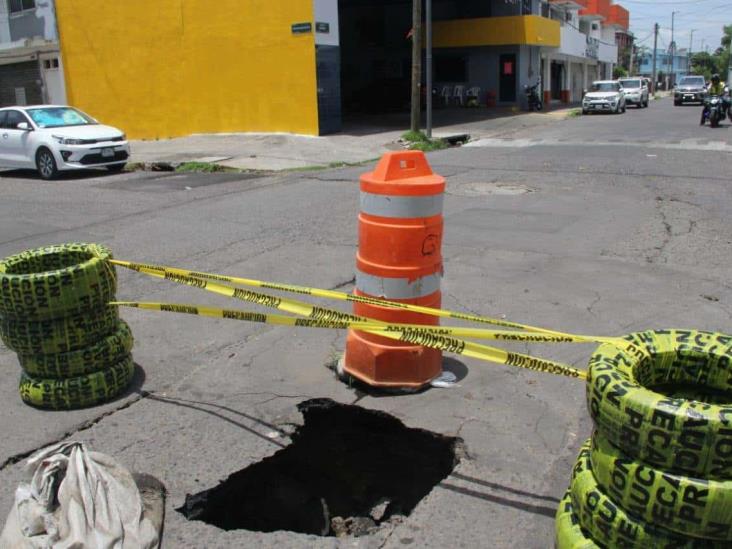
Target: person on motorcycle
(718, 88)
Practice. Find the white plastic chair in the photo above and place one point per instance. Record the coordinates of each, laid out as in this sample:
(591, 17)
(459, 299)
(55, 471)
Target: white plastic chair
(458, 94)
(446, 93)
(473, 92)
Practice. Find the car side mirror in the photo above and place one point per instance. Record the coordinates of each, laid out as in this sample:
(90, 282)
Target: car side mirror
(621, 89)
(24, 126)
(584, 91)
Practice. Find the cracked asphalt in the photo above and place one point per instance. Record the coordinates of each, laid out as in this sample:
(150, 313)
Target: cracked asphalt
(583, 238)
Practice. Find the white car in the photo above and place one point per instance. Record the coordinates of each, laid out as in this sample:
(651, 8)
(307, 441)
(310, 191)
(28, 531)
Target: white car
(51, 138)
(635, 91)
(604, 96)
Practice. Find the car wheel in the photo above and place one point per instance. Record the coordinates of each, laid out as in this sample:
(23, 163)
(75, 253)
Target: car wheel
(116, 168)
(46, 164)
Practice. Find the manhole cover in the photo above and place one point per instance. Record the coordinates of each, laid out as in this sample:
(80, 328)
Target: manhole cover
(485, 188)
(347, 470)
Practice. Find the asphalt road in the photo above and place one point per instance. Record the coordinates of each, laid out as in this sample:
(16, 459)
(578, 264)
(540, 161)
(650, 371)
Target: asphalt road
(599, 224)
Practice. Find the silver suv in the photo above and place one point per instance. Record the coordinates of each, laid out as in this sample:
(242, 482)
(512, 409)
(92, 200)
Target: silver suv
(690, 89)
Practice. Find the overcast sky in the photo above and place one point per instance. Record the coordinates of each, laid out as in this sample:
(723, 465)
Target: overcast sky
(706, 16)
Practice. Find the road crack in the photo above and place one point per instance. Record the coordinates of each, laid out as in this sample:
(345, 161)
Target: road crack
(85, 426)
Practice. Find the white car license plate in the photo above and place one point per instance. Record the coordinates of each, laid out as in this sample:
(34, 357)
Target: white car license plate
(108, 153)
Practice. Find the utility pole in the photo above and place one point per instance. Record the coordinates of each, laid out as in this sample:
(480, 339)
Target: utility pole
(691, 40)
(632, 54)
(428, 61)
(688, 56)
(673, 48)
(655, 49)
(416, 62)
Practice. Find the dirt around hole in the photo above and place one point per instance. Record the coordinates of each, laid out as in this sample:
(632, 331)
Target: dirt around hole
(347, 470)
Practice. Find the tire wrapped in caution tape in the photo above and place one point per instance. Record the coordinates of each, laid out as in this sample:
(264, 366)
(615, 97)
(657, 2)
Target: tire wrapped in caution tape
(31, 337)
(687, 506)
(104, 353)
(77, 392)
(568, 532)
(56, 281)
(688, 436)
(610, 525)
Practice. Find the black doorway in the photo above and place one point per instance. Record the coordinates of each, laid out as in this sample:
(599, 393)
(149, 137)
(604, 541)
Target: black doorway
(557, 75)
(507, 78)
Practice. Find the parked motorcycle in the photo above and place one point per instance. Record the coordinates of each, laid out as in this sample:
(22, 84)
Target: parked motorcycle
(714, 110)
(532, 95)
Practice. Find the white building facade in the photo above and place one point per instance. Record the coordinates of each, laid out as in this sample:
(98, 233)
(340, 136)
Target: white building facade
(587, 52)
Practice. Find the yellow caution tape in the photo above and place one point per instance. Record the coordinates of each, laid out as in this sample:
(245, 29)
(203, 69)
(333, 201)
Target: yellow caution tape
(427, 336)
(303, 309)
(448, 339)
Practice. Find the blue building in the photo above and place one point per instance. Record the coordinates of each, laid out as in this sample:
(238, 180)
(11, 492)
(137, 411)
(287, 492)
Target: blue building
(672, 69)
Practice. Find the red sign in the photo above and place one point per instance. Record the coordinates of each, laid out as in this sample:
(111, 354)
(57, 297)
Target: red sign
(508, 68)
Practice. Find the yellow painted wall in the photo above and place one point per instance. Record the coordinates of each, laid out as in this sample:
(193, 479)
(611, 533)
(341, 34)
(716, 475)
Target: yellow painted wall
(497, 31)
(165, 68)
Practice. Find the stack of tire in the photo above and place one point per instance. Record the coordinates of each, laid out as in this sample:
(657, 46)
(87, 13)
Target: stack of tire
(73, 348)
(657, 471)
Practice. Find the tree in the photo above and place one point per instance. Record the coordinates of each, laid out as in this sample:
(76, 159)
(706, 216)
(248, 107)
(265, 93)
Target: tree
(726, 36)
(726, 45)
(704, 64)
(619, 72)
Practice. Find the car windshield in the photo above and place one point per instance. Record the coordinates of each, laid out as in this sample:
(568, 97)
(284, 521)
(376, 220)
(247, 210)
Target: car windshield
(631, 84)
(604, 87)
(59, 117)
(697, 81)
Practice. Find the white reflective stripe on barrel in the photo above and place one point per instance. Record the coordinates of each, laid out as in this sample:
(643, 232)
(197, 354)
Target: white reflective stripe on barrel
(401, 207)
(397, 288)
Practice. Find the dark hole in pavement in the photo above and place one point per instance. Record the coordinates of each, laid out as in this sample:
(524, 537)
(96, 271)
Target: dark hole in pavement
(347, 470)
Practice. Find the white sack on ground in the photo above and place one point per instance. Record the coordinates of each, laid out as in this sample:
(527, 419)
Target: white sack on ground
(77, 499)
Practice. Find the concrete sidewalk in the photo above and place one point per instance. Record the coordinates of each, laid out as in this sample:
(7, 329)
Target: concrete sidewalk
(357, 143)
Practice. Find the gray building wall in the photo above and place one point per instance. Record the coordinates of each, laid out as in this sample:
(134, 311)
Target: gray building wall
(483, 69)
(529, 67)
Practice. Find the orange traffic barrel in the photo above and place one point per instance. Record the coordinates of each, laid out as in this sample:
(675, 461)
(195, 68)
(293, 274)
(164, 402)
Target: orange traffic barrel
(399, 259)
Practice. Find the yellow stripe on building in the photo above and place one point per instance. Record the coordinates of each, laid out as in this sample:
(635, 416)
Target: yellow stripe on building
(529, 30)
(167, 68)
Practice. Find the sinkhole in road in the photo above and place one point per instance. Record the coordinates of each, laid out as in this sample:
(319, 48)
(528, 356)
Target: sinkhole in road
(347, 470)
